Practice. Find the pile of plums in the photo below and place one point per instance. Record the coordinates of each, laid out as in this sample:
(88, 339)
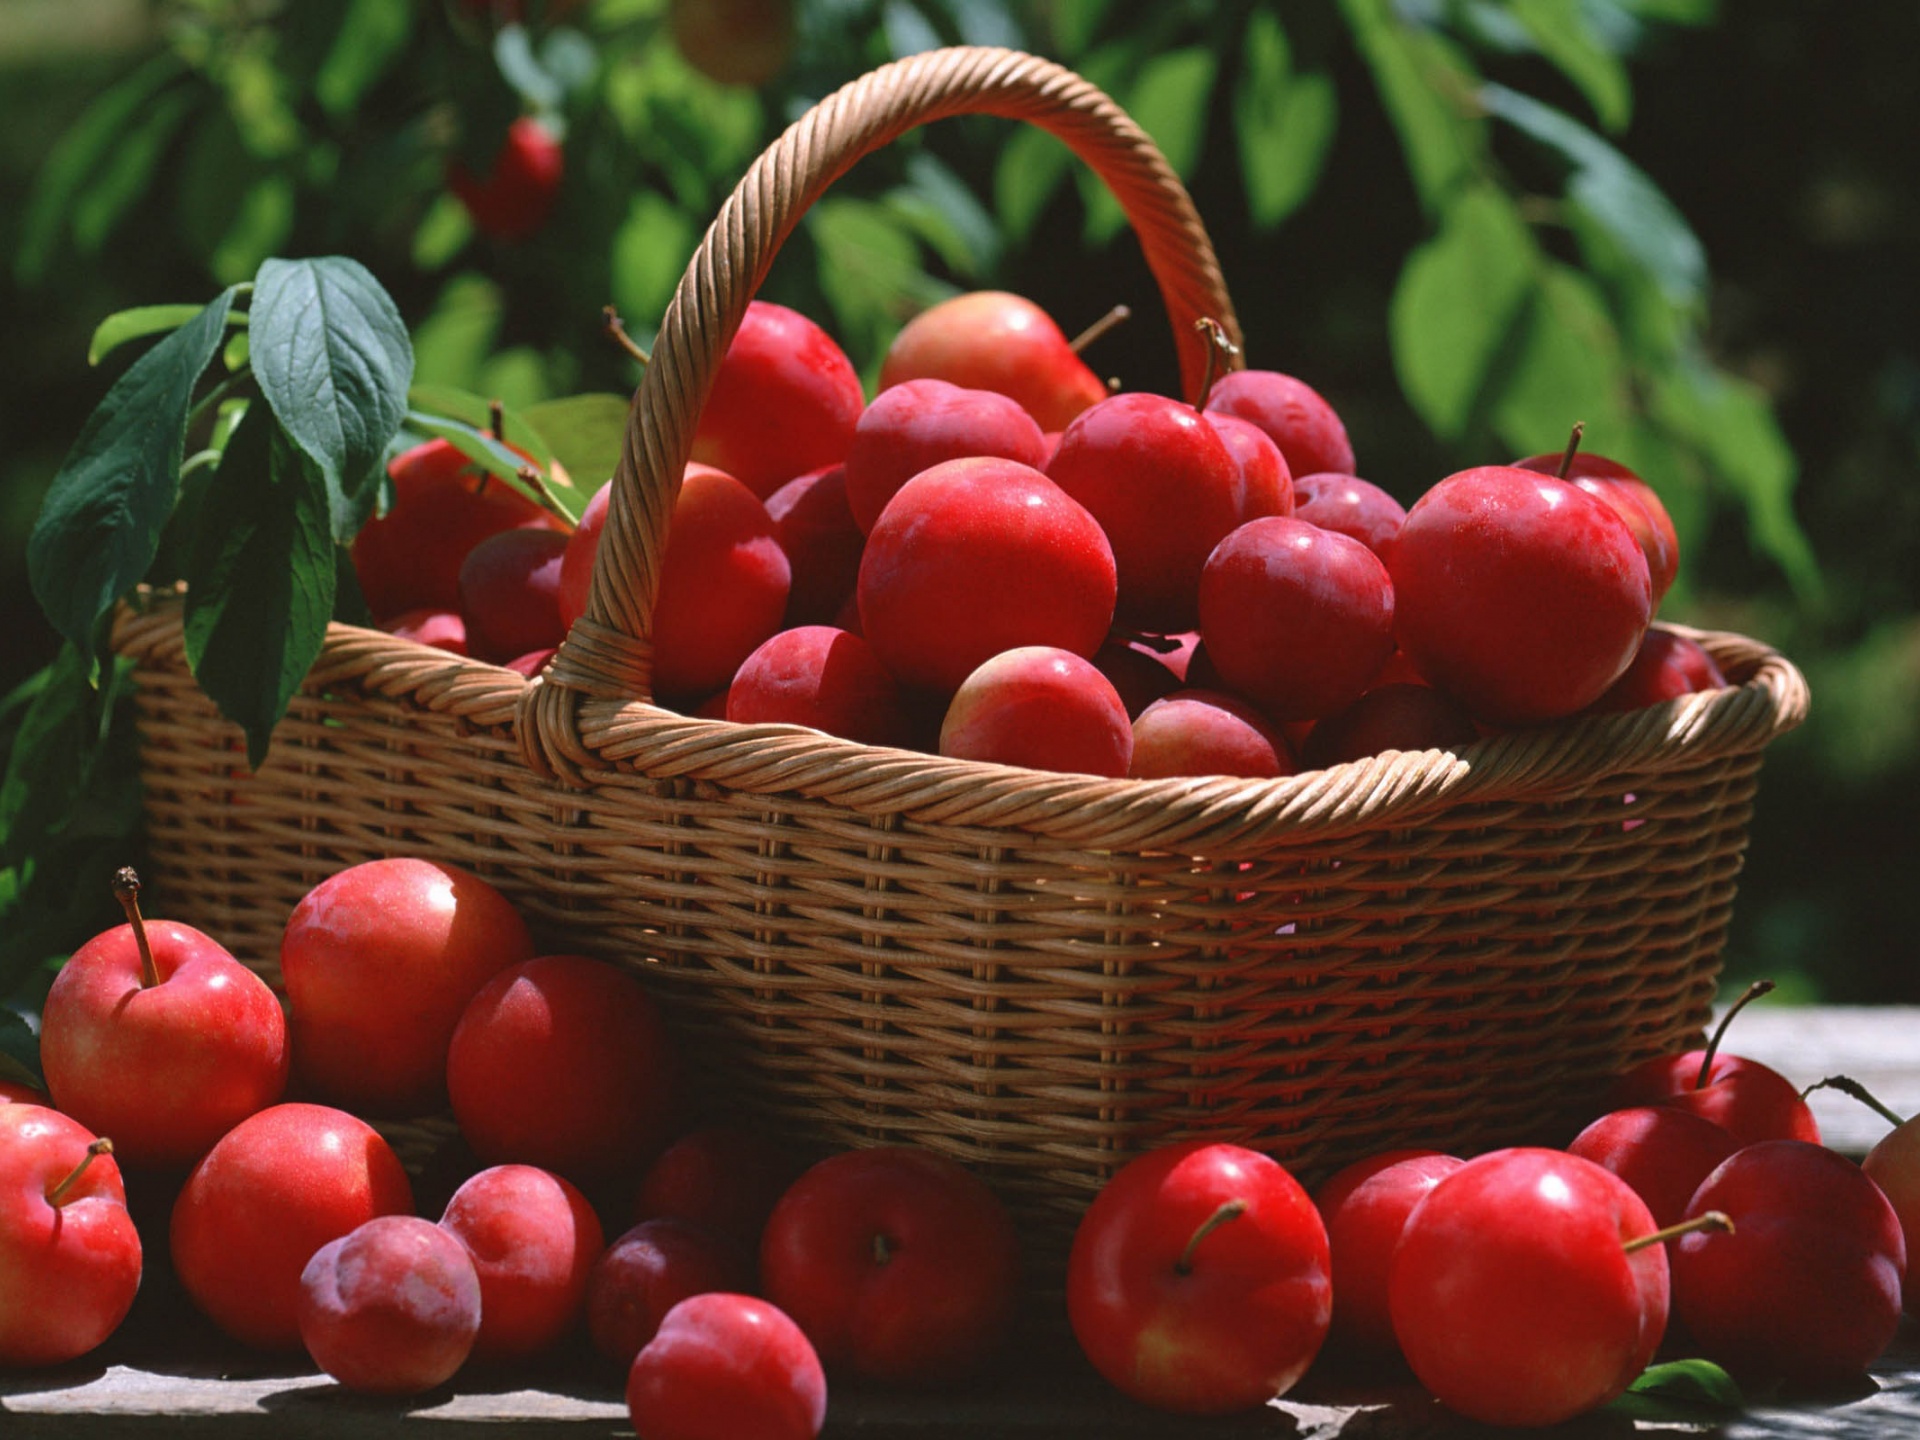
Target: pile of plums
(998, 560)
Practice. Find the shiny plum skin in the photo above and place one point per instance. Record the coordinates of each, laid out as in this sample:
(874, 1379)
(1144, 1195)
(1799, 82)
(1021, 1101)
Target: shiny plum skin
(565, 1063)
(1513, 1296)
(510, 594)
(859, 1244)
(1295, 416)
(978, 556)
(651, 1269)
(923, 423)
(1633, 499)
(1665, 667)
(991, 340)
(1241, 1320)
(392, 1308)
(1520, 595)
(1040, 707)
(1295, 618)
(724, 582)
(442, 629)
(723, 1367)
(410, 557)
(1663, 1152)
(1365, 1207)
(784, 401)
(1202, 732)
(68, 1273)
(1806, 1288)
(726, 1178)
(1894, 1165)
(533, 1239)
(516, 195)
(823, 677)
(1164, 488)
(1265, 484)
(1389, 717)
(1750, 1101)
(1351, 506)
(815, 527)
(380, 960)
(162, 1070)
(277, 1187)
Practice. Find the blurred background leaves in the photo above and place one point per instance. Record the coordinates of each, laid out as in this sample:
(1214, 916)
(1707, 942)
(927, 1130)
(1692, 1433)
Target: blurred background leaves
(1467, 222)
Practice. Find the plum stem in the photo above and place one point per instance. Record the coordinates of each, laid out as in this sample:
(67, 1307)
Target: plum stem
(1847, 1085)
(1219, 348)
(126, 889)
(616, 331)
(1118, 315)
(1712, 1220)
(882, 1250)
(1573, 449)
(497, 420)
(1232, 1210)
(57, 1196)
(1753, 993)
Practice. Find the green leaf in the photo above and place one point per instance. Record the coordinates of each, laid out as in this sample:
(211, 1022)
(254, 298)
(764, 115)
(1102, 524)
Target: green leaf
(260, 584)
(586, 433)
(89, 143)
(1561, 32)
(46, 765)
(1568, 366)
(521, 68)
(483, 450)
(1695, 1391)
(443, 232)
(452, 343)
(1731, 424)
(447, 402)
(947, 215)
(262, 222)
(123, 178)
(908, 31)
(1031, 168)
(1615, 193)
(101, 521)
(1169, 99)
(136, 324)
(19, 1050)
(1458, 299)
(570, 58)
(650, 253)
(1284, 123)
(236, 353)
(371, 36)
(1426, 89)
(333, 359)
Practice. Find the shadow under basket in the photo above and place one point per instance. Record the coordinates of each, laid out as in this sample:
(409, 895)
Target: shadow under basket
(1449, 950)
(1038, 975)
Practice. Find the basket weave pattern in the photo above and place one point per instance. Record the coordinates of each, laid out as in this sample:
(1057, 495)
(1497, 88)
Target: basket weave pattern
(1040, 975)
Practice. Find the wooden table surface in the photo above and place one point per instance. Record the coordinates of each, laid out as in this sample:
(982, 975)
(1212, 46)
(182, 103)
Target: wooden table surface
(167, 1374)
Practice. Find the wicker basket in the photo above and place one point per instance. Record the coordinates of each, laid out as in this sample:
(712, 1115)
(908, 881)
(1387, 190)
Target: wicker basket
(1040, 975)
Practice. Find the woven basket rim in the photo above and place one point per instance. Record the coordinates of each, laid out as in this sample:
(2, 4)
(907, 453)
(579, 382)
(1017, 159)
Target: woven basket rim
(1218, 813)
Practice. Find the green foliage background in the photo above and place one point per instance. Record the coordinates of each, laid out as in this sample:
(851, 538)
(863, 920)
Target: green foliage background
(1468, 222)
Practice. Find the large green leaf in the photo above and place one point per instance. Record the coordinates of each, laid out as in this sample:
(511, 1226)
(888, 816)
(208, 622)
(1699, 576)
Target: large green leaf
(88, 145)
(486, 453)
(123, 177)
(333, 359)
(1560, 29)
(1567, 367)
(1422, 83)
(19, 1049)
(260, 583)
(101, 521)
(1455, 308)
(1284, 121)
(1168, 98)
(585, 433)
(1030, 170)
(1693, 1392)
(1614, 192)
(449, 403)
(1731, 424)
(650, 253)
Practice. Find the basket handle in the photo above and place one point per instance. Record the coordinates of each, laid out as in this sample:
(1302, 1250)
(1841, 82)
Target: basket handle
(608, 654)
